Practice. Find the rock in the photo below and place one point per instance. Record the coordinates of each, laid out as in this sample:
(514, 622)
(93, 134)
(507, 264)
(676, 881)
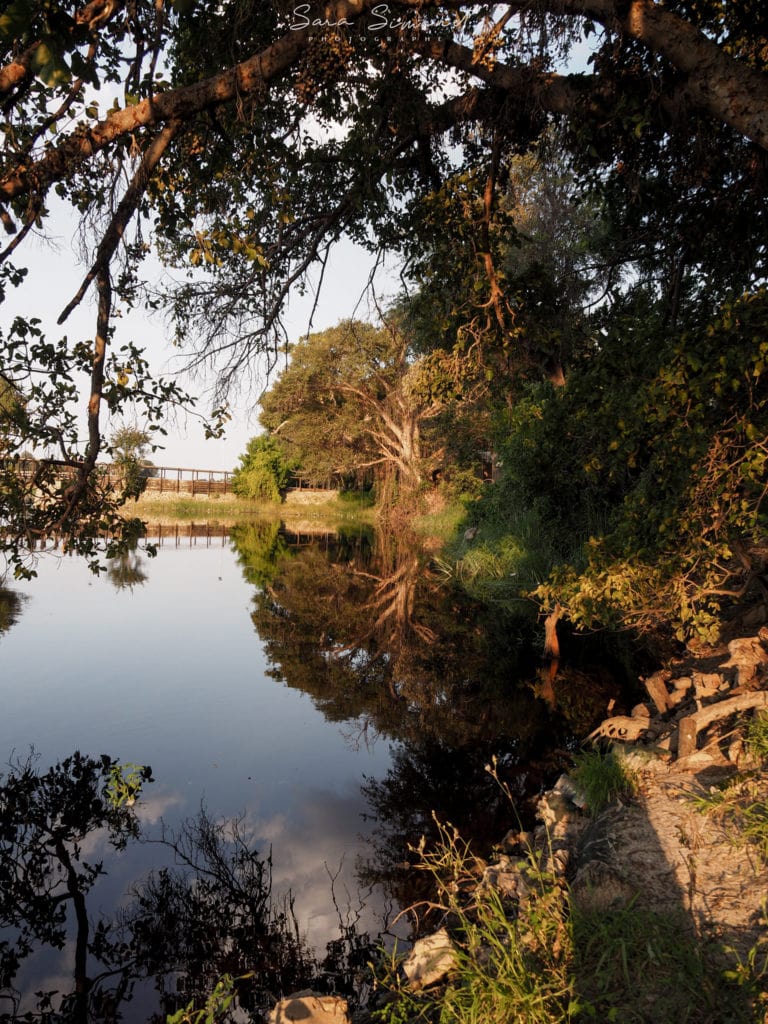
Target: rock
(736, 750)
(430, 960)
(639, 758)
(307, 1007)
(566, 787)
(684, 683)
(471, 533)
(623, 728)
(678, 697)
(516, 842)
(747, 656)
(554, 807)
(707, 684)
(507, 877)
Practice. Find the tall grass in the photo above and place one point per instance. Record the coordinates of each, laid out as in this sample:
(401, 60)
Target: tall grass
(512, 964)
(541, 959)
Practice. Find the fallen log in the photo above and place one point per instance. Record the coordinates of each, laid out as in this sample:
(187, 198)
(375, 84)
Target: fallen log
(690, 726)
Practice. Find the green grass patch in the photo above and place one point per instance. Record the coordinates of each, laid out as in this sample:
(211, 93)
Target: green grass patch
(757, 737)
(510, 554)
(236, 510)
(603, 779)
(509, 969)
(444, 524)
(357, 499)
(198, 509)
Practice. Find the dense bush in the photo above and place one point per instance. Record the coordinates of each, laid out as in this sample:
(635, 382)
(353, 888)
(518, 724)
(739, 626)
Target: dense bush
(264, 470)
(639, 483)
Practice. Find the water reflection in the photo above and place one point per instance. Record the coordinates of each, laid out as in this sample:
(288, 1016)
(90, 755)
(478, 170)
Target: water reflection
(354, 620)
(10, 608)
(207, 912)
(362, 625)
(127, 571)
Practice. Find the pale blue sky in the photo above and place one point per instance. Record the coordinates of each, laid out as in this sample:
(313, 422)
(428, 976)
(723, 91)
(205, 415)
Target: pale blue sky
(55, 273)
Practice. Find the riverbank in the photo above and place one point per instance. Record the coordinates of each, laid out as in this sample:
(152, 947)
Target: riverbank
(641, 894)
(227, 509)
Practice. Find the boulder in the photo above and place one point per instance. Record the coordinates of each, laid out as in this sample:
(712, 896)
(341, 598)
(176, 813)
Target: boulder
(307, 1007)
(747, 657)
(430, 960)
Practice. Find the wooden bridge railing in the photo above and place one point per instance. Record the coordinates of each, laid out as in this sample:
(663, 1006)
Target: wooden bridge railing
(181, 480)
(186, 480)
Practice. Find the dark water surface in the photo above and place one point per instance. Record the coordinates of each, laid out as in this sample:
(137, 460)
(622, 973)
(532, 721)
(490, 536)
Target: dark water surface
(328, 696)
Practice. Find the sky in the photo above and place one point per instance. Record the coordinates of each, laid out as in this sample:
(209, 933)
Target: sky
(56, 271)
(55, 274)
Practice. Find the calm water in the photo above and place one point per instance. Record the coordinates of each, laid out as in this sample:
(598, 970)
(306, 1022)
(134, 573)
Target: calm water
(329, 696)
(172, 674)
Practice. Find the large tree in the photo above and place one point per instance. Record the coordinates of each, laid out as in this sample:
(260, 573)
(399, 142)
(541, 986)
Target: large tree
(356, 399)
(242, 140)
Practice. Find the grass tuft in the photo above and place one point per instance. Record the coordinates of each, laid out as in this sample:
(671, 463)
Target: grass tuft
(542, 960)
(512, 963)
(603, 779)
(757, 737)
(741, 807)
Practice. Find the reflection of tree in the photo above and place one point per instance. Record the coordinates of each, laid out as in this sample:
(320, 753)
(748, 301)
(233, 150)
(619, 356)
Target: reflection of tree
(127, 571)
(371, 635)
(10, 608)
(259, 546)
(44, 819)
(375, 639)
(429, 779)
(214, 914)
(186, 925)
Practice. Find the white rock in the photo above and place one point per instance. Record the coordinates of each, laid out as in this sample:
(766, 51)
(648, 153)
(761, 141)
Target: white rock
(430, 960)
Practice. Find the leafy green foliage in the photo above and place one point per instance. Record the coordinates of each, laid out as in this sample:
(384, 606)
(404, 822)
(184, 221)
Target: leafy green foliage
(125, 783)
(216, 1005)
(264, 470)
(128, 447)
(44, 819)
(46, 494)
(355, 400)
(644, 478)
(260, 547)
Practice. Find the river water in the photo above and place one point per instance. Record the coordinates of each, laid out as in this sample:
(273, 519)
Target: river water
(328, 697)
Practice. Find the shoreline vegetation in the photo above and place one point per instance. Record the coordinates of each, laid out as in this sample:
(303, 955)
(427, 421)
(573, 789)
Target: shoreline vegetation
(229, 509)
(550, 930)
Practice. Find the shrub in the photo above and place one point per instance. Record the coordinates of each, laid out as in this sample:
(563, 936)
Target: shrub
(264, 470)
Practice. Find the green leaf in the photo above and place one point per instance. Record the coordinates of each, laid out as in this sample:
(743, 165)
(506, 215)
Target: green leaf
(16, 20)
(49, 65)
